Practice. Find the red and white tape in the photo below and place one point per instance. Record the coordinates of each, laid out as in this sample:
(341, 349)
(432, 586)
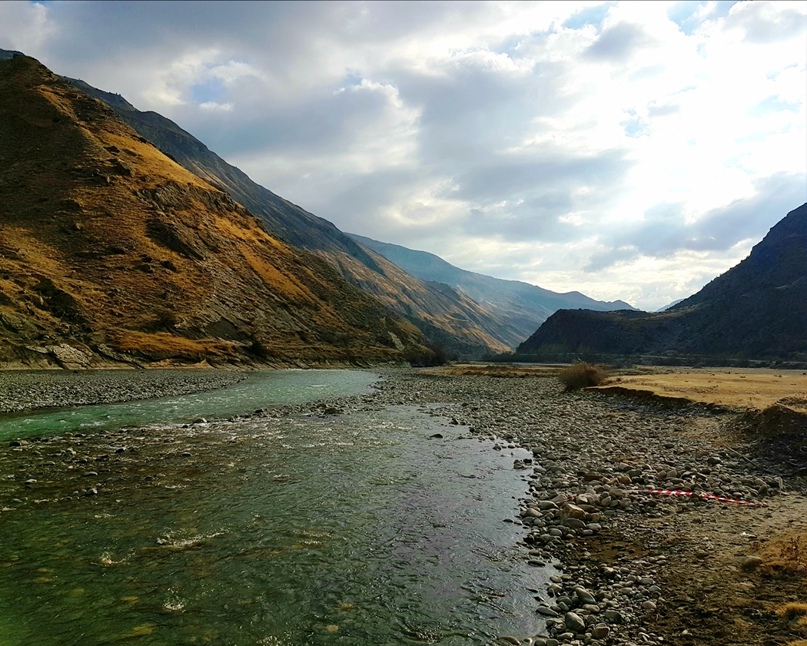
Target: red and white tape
(697, 494)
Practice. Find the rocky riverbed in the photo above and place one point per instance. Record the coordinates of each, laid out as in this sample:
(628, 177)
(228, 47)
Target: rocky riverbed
(634, 567)
(639, 568)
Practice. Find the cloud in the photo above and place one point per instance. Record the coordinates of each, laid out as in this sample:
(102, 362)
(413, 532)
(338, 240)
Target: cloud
(665, 230)
(627, 150)
(618, 43)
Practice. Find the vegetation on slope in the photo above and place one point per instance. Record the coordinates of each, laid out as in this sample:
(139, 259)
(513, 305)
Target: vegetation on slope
(109, 245)
(446, 317)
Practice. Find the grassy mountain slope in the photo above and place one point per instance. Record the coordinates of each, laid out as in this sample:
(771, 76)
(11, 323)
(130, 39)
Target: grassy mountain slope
(111, 247)
(756, 310)
(446, 317)
(522, 306)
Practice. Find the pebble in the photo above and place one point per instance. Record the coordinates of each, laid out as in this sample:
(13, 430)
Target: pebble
(23, 390)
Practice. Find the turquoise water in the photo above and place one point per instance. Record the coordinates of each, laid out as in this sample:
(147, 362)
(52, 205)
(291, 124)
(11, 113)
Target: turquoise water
(358, 529)
(258, 390)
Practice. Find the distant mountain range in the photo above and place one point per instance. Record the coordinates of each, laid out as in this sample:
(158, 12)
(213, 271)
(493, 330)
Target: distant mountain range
(756, 310)
(468, 314)
(522, 306)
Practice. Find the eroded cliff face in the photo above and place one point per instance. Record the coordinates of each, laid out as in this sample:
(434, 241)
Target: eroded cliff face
(109, 247)
(756, 310)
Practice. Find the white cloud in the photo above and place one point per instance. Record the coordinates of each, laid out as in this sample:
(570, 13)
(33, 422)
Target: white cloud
(598, 146)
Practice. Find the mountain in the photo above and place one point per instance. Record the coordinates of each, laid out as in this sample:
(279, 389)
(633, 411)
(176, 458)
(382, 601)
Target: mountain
(756, 310)
(522, 306)
(109, 249)
(445, 316)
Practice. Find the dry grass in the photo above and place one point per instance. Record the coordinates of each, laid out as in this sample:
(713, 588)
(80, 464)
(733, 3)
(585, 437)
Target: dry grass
(795, 613)
(161, 344)
(121, 233)
(792, 610)
(786, 555)
(751, 388)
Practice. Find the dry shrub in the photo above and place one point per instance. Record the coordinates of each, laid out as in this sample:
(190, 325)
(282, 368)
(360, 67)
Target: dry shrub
(786, 555)
(794, 612)
(792, 609)
(581, 375)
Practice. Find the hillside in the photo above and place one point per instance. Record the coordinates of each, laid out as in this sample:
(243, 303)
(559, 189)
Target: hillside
(756, 310)
(521, 305)
(109, 249)
(447, 317)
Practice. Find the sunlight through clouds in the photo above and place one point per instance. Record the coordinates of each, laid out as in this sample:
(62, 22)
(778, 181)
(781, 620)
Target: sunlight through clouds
(628, 150)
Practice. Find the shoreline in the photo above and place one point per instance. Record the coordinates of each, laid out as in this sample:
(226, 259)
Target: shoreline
(635, 568)
(639, 568)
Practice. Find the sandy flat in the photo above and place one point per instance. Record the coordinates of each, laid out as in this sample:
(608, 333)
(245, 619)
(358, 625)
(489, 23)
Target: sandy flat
(753, 388)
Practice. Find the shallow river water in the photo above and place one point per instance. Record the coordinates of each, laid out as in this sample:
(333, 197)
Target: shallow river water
(355, 528)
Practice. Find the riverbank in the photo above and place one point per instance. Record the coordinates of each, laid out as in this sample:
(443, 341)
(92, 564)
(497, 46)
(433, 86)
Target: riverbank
(636, 568)
(640, 568)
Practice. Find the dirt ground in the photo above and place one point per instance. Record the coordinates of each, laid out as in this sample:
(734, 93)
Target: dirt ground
(748, 565)
(735, 574)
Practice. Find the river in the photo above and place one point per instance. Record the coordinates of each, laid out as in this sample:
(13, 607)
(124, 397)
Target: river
(356, 524)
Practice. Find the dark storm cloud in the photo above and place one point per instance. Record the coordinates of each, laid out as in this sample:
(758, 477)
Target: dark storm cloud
(282, 31)
(532, 219)
(323, 123)
(358, 200)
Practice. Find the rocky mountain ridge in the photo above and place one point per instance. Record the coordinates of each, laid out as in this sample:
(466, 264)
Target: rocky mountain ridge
(755, 311)
(446, 317)
(110, 251)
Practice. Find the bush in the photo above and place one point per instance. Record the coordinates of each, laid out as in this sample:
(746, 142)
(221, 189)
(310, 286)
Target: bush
(581, 375)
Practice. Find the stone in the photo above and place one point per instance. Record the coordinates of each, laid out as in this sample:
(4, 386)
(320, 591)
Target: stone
(574, 511)
(546, 611)
(584, 595)
(600, 631)
(574, 622)
(750, 563)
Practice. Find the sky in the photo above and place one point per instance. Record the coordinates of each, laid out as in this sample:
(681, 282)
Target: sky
(627, 150)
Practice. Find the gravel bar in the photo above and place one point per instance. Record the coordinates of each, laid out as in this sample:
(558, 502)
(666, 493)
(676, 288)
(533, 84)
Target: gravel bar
(23, 390)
